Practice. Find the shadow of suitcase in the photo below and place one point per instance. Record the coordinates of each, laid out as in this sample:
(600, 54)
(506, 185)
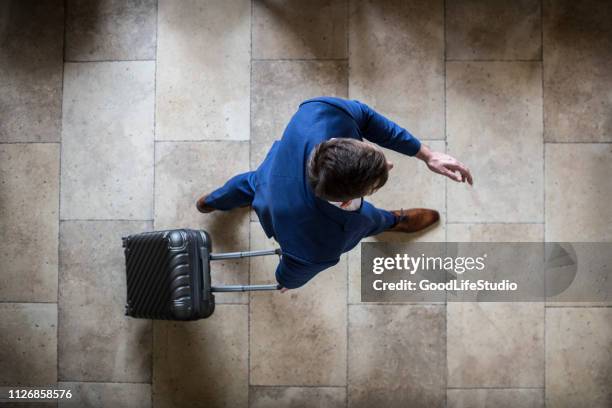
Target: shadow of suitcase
(168, 274)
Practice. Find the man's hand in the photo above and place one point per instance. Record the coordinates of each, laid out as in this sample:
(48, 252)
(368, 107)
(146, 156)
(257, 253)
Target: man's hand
(444, 164)
(283, 290)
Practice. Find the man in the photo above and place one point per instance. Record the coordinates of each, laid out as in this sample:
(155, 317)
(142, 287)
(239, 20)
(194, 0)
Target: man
(308, 192)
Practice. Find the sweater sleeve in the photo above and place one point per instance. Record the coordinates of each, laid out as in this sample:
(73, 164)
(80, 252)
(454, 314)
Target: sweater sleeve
(292, 272)
(378, 129)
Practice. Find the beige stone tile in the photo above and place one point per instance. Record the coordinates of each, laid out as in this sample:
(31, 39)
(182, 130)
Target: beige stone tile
(29, 197)
(578, 356)
(494, 126)
(203, 70)
(107, 141)
(183, 172)
(110, 30)
(495, 344)
(495, 232)
(498, 30)
(578, 192)
(577, 75)
(291, 29)
(202, 363)
(28, 344)
(31, 44)
(279, 87)
(396, 356)
(102, 395)
(306, 326)
(294, 397)
(495, 398)
(396, 55)
(97, 342)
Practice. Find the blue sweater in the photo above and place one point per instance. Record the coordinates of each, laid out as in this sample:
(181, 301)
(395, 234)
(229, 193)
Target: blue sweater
(313, 233)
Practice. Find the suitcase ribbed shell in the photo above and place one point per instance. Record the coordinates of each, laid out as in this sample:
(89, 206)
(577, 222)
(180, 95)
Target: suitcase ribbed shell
(160, 269)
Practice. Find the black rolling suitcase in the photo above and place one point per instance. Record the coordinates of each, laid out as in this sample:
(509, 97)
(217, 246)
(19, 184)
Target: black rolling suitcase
(168, 274)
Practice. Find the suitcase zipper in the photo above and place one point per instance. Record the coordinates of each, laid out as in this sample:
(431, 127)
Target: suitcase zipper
(196, 275)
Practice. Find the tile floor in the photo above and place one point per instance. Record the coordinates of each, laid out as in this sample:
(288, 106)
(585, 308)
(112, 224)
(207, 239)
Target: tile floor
(115, 115)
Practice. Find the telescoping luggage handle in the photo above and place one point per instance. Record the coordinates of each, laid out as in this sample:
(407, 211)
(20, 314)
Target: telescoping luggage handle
(245, 254)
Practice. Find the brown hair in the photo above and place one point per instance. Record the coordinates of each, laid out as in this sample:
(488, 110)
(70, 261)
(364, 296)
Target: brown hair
(343, 169)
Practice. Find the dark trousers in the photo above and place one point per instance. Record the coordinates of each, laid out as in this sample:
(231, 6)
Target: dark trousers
(239, 191)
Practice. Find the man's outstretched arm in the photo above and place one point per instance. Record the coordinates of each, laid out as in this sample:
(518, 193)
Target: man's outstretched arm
(378, 129)
(386, 133)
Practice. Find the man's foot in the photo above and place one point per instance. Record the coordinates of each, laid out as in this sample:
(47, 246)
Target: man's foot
(414, 219)
(202, 207)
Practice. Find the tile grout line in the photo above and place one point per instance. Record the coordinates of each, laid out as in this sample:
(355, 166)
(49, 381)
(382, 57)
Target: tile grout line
(413, 303)
(348, 95)
(107, 60)
(296, 386)
(204, 140)
(495, 222)
(249, 218)
(575, 142)
(445, 213)
(543, 181)
(441, 304)
(299, 59)
(493, 60)
(59, 200)
(61, 220)
(154, 176)
(495, 388)
(350, 304)
(32, 143)
(104, 382)
(578, 306)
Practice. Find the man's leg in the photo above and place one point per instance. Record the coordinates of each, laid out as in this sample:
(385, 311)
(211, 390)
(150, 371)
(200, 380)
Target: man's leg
(238, 191)
(383, 219)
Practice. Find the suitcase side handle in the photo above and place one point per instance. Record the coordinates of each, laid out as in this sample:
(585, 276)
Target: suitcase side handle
(243, 288)
(245, 254)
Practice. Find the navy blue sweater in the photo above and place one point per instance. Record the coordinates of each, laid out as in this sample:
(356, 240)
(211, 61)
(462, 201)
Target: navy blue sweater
(313, 233)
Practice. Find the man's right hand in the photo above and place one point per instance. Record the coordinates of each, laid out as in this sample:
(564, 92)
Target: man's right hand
(445, 164)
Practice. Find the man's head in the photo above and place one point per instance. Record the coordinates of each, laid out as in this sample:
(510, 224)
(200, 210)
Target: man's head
(344, 169)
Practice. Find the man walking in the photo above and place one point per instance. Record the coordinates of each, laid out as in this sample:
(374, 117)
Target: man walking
(308, 192)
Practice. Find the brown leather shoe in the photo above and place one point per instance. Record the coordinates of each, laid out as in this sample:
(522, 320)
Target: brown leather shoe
(414, 219)
(202, 207)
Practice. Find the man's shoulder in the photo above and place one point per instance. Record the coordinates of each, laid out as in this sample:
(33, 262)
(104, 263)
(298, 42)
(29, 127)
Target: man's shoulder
(347, 105)
(325, 99)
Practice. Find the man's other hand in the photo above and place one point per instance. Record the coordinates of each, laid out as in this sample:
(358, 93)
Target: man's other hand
(283, 290)
(446, 165)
